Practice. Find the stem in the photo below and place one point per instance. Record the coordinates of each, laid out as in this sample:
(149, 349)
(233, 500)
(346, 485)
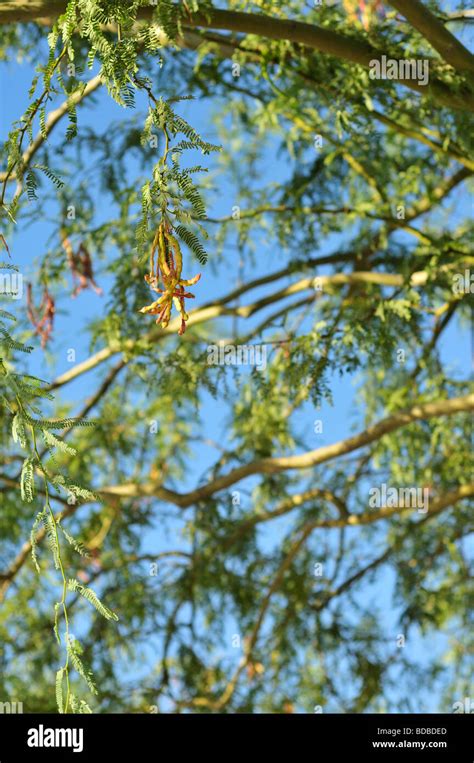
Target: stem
(61, 566)
(167, 143)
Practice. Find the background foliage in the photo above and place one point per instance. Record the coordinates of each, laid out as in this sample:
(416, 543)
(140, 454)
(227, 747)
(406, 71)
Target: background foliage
(205, 507)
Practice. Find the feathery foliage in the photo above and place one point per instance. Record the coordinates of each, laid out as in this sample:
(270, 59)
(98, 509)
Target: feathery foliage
(221, 503)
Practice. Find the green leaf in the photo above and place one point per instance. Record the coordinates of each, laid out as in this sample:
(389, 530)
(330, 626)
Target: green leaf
(74, 651)
(53, 441)
(91, 596)
(49, 524)
(59, 690)
(192, 241)
(27, 481)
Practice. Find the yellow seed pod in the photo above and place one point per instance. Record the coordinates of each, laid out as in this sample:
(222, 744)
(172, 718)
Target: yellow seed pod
(177, 254)
(162, 251)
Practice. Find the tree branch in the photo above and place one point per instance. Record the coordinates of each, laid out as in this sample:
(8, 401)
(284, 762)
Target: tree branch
(434, 31)
(52, 120)
(309, 35)
(410, 132)
(448, 407)
(305, 532)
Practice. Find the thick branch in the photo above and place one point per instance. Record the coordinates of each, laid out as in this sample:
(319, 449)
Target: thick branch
(435, 32)
(309, 35)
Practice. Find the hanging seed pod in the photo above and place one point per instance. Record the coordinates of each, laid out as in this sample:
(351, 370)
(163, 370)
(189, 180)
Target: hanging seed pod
(167, 269)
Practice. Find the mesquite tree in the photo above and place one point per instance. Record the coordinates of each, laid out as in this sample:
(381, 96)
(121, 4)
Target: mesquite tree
(252, 494)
